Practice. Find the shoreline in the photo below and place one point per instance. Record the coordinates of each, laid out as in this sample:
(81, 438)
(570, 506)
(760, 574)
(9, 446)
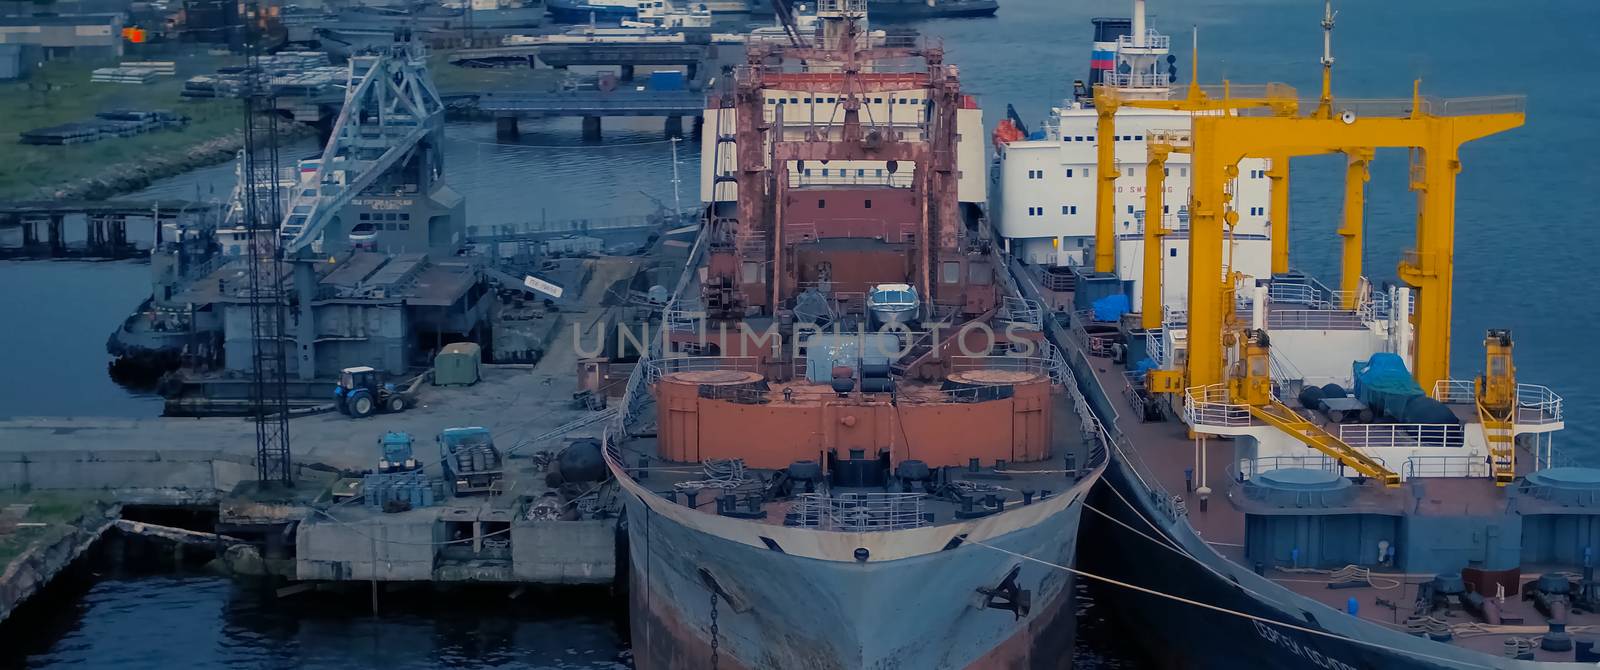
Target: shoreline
(130, 176)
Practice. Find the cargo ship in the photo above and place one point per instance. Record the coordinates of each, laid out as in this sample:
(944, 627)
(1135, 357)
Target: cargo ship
(1295, 469)
(911, 10)
(805, 485)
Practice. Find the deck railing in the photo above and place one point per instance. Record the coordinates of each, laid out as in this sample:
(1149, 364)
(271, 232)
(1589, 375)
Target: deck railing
(1315, 319)
(1403, 435)
(1445, 466)
(1536, 404)
(1248, 468)
(1211, 406)
(860, 512)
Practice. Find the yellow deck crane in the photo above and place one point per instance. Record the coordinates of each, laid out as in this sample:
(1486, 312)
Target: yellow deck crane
(1496, 394)
(1280, 99)
(1437, 128)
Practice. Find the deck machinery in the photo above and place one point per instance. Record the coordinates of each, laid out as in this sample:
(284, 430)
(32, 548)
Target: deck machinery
(1324, 459)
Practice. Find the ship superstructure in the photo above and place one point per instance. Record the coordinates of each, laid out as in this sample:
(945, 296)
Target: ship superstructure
(823, 450)
(1297, 455)
(1049, 182)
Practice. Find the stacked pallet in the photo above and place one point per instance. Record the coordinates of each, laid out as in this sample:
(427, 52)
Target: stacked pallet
(114, 123)
(163, 68)
(124, 75)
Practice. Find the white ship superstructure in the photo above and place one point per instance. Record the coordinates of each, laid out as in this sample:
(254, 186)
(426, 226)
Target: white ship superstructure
(1045, 199)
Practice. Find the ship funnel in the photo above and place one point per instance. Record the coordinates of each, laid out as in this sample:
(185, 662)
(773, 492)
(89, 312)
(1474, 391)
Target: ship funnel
(1103, 58)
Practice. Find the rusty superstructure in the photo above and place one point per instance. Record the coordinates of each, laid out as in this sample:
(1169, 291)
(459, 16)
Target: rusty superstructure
(803, 469)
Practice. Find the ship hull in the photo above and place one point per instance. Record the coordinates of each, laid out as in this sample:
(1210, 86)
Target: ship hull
(905, 11)
(786, 611)
(1230, 641)
(579, 12)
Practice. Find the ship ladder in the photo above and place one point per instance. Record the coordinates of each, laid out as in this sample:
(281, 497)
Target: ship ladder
(1500, 431)
(1283, 418)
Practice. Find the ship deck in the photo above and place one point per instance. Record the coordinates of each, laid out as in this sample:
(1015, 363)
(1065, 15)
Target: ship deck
(1164, 450)
(1044, 477)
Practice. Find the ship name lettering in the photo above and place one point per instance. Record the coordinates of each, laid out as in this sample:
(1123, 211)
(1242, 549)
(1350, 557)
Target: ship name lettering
(1314, 657)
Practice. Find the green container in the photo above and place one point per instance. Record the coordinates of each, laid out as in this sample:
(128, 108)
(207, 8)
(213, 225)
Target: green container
(456, 364)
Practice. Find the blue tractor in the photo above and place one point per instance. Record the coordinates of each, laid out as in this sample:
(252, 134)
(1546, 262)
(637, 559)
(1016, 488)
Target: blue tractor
(361, 392)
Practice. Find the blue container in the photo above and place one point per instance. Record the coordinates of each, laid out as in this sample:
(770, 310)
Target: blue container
(667, 80)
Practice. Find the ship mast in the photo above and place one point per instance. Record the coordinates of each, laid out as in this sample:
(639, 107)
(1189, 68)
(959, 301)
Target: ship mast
(1325, 104)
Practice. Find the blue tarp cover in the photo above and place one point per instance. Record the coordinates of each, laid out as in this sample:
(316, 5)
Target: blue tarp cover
(1111, 307)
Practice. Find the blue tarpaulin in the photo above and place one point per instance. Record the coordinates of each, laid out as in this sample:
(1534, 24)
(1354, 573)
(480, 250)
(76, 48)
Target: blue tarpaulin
(1111, 307)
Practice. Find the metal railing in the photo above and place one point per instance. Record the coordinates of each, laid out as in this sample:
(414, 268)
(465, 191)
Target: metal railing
(860, 512)
(1445, 466)
(1155, 344)
(1022, 310)
(1536, 404)
(1211, 406)
(659, 367)
(851, 177)
(1136, 80)
(1248, 468)
(1454, 392)
(1045, 364)
(1403, 435)
(1315, 319)
(1152, 40)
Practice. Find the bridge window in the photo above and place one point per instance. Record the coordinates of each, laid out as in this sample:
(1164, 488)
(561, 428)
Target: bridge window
(877, 101)
(794, 101)
(405, 216)
(1166, 209)
(820, 202)
(880, 172)
(1166, 172)
(1183, 172)
(824, 172)
(1130, 209)
(951, 273)
(366, 217)
(1130, 172)
(1069, 173)
(808, 172)
(1172, 252)
(868, 203)
(831, 99)
(405, 226)
(1138, 138)
(861, 173)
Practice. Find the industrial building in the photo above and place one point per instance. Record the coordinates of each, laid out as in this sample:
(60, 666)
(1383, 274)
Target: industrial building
(50, 37)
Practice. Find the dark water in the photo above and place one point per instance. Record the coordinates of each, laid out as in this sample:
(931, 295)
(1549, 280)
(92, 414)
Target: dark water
(204, 622)
(1524, 249)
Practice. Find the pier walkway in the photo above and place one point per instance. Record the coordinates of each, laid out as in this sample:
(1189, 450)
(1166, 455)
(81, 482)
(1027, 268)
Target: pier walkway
(92, 230)
(592, 106)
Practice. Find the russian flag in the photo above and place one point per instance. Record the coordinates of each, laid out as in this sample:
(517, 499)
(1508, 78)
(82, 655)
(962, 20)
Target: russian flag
(1102, 60)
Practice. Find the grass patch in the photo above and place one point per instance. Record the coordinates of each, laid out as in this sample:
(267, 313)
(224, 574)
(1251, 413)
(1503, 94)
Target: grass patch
(56, 508)
(60, 92)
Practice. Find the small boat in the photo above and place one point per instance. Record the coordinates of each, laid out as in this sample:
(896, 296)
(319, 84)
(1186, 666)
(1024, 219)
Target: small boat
(893, 303)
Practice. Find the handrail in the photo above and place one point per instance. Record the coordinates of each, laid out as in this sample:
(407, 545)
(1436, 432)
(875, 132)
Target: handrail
(1210, 406)
(1402, 435)
(1445, 466)
(1250, 467)
(1536, 404)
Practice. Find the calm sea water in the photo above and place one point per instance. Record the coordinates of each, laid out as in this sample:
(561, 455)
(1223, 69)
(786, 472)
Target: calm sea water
(1523, 251)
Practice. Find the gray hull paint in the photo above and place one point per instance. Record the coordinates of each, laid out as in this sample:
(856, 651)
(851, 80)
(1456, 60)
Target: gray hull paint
(792, 612)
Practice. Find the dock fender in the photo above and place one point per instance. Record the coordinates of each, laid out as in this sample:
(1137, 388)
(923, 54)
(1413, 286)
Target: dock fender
(727, 590)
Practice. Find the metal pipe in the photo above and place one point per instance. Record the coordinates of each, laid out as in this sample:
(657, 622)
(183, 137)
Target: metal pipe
(1138, 23)
(1105, 201)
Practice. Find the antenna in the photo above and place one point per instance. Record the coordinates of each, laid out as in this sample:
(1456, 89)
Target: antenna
(1194, 63)
(1325, 105)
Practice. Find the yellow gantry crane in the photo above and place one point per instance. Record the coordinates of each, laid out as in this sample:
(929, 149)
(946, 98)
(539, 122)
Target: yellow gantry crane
(1436, 128)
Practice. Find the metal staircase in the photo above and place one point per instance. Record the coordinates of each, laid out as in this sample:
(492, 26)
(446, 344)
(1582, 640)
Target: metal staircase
(390, 107)
(1280, 416)
(1500, 431)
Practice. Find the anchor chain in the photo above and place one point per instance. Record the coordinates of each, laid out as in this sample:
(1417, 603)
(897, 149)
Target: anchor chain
(714, 629)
